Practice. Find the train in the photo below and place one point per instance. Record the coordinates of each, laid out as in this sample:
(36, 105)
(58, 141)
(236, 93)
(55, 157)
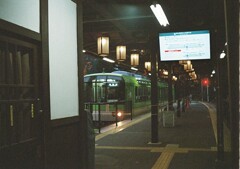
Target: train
(119, 95)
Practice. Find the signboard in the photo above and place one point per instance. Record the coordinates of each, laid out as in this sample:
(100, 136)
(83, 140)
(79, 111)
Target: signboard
(190, 45)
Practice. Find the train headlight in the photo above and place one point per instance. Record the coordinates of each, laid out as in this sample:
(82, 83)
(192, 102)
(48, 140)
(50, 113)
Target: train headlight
(119, 114)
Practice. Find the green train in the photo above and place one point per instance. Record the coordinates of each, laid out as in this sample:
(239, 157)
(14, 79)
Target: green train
(120, 94)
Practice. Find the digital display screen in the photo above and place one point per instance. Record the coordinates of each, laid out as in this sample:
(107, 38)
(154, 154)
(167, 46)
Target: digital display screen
(189, 45)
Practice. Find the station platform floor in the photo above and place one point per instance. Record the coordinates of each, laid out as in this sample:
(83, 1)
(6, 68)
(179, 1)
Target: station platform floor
(190, 144)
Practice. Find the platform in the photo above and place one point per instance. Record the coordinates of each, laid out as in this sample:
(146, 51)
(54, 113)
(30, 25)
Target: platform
(190, 144)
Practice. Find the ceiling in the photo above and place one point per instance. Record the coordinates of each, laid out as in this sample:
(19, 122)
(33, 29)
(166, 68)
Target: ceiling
(132, 23)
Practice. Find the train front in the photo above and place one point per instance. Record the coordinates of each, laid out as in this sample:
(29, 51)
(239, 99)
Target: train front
(105, 97)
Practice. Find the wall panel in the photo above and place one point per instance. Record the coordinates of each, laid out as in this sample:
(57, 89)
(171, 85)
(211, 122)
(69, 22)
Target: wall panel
(63, 59)
(25, 13)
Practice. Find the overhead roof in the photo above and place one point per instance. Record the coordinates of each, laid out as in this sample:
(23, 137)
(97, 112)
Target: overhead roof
(132, 23)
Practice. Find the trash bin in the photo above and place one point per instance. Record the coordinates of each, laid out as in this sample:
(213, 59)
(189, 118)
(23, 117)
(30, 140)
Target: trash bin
(91, 141)
(168, 119)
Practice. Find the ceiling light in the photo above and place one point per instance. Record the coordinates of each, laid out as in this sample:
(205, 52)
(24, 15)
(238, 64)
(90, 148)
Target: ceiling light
(108, 60)
(133, 68)
(159, 14)
(174, 78)
(135, 59)
(165, 72)
(148, 66)
(121, 53)
(222, 55)
(103, 46)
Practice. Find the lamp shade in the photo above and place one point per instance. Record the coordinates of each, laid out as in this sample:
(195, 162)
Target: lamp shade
(121, 53)
(148, 66)
(187, 67)
(103, 46)
(134, 59)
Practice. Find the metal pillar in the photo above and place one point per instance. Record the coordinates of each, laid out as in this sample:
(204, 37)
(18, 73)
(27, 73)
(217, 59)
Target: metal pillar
(154, 98)
(207, 93)
(220, 139)
(231, 8)
(170, 94)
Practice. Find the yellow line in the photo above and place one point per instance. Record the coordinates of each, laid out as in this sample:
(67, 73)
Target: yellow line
(227, 138)
(213, 116)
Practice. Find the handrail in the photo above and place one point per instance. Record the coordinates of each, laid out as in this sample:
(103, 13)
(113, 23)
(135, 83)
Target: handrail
(99, 104)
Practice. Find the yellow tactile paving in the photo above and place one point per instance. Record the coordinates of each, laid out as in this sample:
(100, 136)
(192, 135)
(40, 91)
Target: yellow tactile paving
(163, 161)
(167, 152)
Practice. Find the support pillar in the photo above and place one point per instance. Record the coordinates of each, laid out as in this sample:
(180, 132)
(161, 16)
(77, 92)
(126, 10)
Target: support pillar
(154, 97)
(220, 139)
(170, 94)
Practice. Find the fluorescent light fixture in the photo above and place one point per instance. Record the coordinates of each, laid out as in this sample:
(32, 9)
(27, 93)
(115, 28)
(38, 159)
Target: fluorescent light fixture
(109, 60)
(133, 68)
(159, 14)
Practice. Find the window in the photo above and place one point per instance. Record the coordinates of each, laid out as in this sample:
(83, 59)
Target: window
(104, 88)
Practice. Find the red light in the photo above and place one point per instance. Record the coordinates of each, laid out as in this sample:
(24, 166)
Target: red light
(205, 82)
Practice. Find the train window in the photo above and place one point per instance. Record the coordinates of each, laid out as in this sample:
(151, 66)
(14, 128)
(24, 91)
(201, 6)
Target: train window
(114, 88)
(143, 91)
(103, 88)
(100, 89)
(94, 88)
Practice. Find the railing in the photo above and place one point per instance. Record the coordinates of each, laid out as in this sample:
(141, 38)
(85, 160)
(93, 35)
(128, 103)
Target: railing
(98, 107)
(126, 104)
